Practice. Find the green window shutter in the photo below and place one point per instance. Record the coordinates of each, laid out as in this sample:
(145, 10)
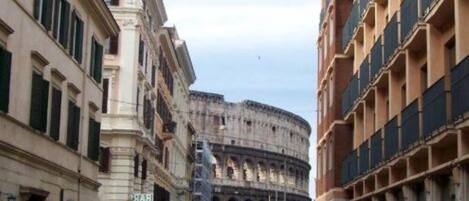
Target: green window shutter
(39, 101)
(64, 24)
(73, 127)
(91, 139)
(37, 9)
(72, 33)
(56, 18)
(99, 62)
(46, 19)
(92, 57)
(55, 114)
(79, 40)
(5, 71)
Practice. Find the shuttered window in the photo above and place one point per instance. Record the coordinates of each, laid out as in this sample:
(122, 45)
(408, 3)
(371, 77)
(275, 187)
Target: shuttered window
(39, 103)
(76, 40)
(73, 127)
(104, 159)
(93, 139)
(5, 70)
(136, 164)
(141, 50)
(113, 45)
(96, 63)
(144, 169)
(43, 12)
(55, 114)
(105, 95)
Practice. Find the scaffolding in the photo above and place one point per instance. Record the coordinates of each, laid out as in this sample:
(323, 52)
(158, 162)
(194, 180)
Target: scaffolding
(201, 182)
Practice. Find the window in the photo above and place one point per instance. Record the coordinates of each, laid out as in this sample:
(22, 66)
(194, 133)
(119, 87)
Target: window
(144, 169)
(5, 71)
(112, 2)
(167, 75)
(56, 103)
(112, 45)
(104, 108)
(148, 113)
(96, 63)
(61, 21)
(94, 128)
(76, 40)
(153, 76)
(43, 12)
(73, 127)
(104, 159)
(141, 51)
(163, 110)
(166, 158)
(136, 164)
(39, 103)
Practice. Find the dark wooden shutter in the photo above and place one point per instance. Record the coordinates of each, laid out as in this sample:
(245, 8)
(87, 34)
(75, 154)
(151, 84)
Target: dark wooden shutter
(37, 9)
(64, 24)
(46, 19)
(55, 29)
(105, 95)
(136, 164)
(153, 76)
(73, 125)
(55, 114)
(78, 53)
(140, 51)
(114, 45)
(5, 71)
(93, 139)
(105, 159)
(92, 58)
(99, 62)
(39, 102)
(72, 33)
(144, 169)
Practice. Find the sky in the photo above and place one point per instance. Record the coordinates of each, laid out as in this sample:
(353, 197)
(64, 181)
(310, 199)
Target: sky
(262, 50)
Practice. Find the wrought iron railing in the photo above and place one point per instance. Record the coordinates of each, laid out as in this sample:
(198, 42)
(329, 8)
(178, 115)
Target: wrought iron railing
(434, 108)
(376, 59)
(460, 88)
(410, 127)
(391, 139)
(391, 37)
(376, 150)
(409, 17)
(364, 157)
(364, 75)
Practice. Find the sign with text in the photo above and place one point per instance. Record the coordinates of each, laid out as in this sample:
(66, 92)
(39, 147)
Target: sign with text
(142, 197)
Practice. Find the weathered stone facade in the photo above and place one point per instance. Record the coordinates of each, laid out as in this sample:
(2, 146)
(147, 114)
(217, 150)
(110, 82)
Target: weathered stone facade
(260, 152)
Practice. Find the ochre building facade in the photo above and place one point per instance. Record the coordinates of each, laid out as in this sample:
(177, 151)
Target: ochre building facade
(260, 152)
(393, 100)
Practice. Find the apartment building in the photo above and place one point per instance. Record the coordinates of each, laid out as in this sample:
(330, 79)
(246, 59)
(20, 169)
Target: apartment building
(393, 80)
(51, 60)
(145, 133)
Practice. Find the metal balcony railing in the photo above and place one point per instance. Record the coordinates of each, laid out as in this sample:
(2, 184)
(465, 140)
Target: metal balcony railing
(363, 6)
(434, 108)
(376, 150)
(350, 24)
(425, 6)
(391, 37)
(460, 88)
(349, 168)
(350, 94)
(354, 90)
(391, 139)
(409, 17)
(410, 127)
(376, 59)
(364, 158)
(364, 75)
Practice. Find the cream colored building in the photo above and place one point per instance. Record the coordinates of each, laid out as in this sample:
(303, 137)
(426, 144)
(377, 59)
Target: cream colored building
(50, 91)
(147, 74)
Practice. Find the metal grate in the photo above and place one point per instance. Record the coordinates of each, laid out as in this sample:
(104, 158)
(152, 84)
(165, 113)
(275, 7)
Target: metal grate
(460, 88)
(391, 36)
(410, 125)
(409, 17)
(434, 108)
(391, 139)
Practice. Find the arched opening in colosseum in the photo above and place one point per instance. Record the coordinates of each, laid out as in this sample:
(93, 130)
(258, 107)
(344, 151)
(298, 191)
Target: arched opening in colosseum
(216, 168)
(248, 170)
(273, 173)
(232, 168)
(291, 176)
(297, 178)
(261, 172)
(282, 175)
(215, 198)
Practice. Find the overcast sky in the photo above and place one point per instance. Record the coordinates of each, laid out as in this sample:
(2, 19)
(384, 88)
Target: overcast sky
(263, 50)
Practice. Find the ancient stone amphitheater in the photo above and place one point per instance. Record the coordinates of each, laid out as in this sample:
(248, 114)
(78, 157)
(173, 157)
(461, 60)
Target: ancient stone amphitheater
(260, 152)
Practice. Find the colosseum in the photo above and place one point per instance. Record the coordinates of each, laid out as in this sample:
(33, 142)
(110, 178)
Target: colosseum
(260, 152)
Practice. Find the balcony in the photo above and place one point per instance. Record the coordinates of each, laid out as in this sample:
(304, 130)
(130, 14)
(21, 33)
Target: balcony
(460, 89)
(409, 17)
(391, 139)
(434, 108)
(364, 158)
(350, 168)
(169, 129)
(350, 94)
(391, 38)
(376, 151)
(363, 6)
(376, 59)
(425, 6)
(364, 75)
(350, 25)
(410, 127)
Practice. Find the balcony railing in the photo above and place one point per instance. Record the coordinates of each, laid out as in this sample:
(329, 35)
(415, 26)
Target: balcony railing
(391, 37)
(376, 151)
(363, 6)
(376, 59)
(364, 158)
(350, 94)
(364, 75)
(426, 6)
(350, 24)
(409, 17)
(410, 127)
(350, 168)
(460, 88)
(391, 139)
(434, 108)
